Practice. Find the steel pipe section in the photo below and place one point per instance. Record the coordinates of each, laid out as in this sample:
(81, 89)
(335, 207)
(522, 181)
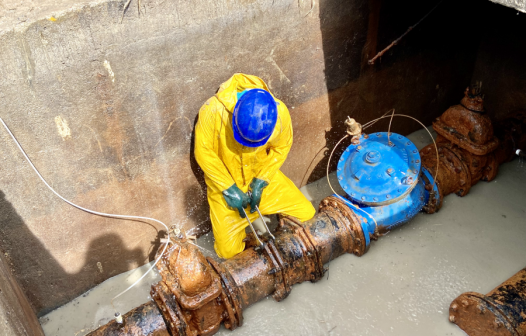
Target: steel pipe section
(501, 312)
(198, 294)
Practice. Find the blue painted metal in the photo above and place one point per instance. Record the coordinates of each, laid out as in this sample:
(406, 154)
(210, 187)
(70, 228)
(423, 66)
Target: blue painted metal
(390, 216)
(383, 181)
(375, 172)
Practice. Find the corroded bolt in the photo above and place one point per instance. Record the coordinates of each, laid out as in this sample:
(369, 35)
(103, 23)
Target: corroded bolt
(390, 171)
(497, 324)
(325, 202)
(465, 303)
(454, 307)
(407, 180)
(356, 251)
(481, 309)
(452, 318)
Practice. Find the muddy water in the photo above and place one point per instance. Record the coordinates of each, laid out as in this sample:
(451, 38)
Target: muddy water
(402, 286)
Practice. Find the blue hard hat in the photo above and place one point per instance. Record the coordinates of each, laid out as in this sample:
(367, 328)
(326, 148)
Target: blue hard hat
(254, 118)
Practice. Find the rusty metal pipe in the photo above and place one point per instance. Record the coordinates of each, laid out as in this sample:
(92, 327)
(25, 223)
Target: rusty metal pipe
(198, 294)
(145, 320)
(501, 312)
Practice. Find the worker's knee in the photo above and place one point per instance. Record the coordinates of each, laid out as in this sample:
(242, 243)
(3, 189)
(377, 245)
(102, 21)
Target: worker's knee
(227, 250)
(307, 213)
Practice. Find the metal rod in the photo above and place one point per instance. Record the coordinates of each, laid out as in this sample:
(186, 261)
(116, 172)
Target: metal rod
(265, 224)
(395, 42)
(252, 228)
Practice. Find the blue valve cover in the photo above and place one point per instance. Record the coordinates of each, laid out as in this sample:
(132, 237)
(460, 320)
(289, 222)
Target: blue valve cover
(375, 172)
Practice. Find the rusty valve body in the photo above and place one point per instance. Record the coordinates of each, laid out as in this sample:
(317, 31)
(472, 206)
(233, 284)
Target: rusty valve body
(501, 312)
(469, 149)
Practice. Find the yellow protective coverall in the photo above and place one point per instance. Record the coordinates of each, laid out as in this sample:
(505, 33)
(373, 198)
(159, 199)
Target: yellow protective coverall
(225, 162)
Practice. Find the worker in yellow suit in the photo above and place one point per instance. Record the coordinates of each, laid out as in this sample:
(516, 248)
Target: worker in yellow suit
(242, 138)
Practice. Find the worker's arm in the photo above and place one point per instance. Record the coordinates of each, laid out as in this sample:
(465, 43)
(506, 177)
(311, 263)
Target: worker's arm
(205, 155)
(279, 147)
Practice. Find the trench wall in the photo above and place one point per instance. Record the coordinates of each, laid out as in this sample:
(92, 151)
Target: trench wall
(106, 111)
(500, 59)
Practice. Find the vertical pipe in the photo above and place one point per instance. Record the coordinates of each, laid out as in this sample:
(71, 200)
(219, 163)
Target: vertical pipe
(16, 316)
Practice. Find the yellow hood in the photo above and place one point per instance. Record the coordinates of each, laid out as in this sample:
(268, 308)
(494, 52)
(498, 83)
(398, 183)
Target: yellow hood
(227, 93)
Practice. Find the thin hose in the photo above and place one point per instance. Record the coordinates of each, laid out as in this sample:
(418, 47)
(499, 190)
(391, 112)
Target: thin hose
(343, 199)
(94, 212)
(370, 123)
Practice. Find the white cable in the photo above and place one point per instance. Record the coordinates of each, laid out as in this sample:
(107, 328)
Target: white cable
(94, 212)
(343, 199)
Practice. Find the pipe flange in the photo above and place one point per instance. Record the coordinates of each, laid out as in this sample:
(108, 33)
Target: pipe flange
(311, 252)
(170, 310)
(455, 163)
(281, 289)
(434, 203)
(491, 169)
(359, 245)
(478, 315)
(232, 294)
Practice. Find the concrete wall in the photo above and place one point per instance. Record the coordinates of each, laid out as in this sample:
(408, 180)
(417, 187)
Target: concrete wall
(106, 112)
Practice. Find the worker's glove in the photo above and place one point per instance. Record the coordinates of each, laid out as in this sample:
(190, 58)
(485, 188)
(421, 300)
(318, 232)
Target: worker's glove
(236, 199)
(257, 187)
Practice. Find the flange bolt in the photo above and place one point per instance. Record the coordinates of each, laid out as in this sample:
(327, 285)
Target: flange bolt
(407, 180)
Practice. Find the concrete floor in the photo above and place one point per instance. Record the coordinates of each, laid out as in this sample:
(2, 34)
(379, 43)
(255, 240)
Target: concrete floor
(402, 286)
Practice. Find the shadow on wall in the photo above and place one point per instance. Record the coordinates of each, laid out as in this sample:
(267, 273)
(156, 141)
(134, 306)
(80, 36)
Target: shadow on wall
(421, 76)
(104, 258)
(500, 62)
